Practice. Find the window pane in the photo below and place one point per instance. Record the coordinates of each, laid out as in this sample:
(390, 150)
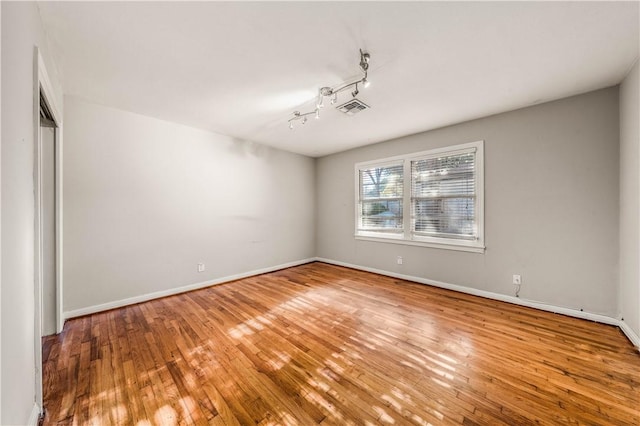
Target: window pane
(382, 215)
(451, 175)
(443, 196)
(381, 182)
(381, 192)
(450, 217)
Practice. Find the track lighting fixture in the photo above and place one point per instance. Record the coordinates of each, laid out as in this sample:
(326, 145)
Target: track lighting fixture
(297, 115)
(332, 92)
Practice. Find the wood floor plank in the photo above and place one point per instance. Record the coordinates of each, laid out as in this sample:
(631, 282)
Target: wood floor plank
(322, 344)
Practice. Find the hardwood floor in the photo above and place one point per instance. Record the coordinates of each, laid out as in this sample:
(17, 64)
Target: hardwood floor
(321, 344)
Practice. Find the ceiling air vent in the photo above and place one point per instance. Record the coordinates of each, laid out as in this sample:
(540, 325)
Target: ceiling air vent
(352, 107)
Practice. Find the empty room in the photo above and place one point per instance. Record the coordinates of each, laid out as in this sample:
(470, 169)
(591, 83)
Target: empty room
(320, 213)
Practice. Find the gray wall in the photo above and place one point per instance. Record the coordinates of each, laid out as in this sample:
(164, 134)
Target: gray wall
(21, 31)
(551, 205)
(145, 200)
(0, 222)
(629, 200)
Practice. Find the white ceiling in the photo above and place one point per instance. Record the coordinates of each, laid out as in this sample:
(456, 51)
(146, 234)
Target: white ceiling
(240, 69)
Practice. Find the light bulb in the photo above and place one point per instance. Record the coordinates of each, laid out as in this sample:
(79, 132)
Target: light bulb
(317, 113)
(320, 99)
(291, 125)
(304, 120)
(365, 83)
(334, 98)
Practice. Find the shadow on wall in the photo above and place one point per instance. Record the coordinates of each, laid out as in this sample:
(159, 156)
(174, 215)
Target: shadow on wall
(242, 148)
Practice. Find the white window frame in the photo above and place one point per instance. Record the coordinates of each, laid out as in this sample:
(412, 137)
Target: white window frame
(391, 233)
(407, 237)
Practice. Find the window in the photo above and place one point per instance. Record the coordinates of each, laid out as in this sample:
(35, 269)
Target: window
(381, 190)
(442, 190)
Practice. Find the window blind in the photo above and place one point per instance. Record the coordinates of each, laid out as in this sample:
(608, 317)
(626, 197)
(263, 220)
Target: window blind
(443, 196)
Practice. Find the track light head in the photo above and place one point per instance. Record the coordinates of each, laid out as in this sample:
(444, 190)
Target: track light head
(355, 92)
(326, 91)
(364, 60)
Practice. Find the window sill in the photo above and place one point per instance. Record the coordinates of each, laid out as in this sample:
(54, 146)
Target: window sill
(399, 239)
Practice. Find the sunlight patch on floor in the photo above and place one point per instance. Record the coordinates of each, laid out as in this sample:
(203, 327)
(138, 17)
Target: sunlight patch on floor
(463, 346)
(319, 385)
(335, 367)
(240, 331)
(438, 371)
(329, 374)
(166, 416)
(96, 420)
(188, 406)
(383, 416)
(254, 324)
(441, 373)
(189, 378)
(411, 366)
(264, 320)
(392, 402)
(447, 358)
(317, 399)
(288, 419)
(439, 362)
(280, 361)
(441, 383)
(363, 343)
(402, 396)
(119, 413)
(416, 418)
(352, 354)
(384, 337)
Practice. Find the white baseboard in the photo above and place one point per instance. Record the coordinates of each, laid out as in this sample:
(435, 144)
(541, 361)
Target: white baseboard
(497, 296)
(631, 335)
(170, 292)
(35, 415)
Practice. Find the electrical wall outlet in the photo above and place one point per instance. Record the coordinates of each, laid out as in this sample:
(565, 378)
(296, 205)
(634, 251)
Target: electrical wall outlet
(517, 280)
(200, 267)
(399, 260)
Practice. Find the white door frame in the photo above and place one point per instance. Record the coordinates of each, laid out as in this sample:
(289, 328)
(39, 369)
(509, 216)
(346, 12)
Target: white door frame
(43, 83)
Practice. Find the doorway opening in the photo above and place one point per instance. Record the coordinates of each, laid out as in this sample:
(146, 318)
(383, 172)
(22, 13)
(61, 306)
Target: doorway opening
(48, 218)
(47, 125)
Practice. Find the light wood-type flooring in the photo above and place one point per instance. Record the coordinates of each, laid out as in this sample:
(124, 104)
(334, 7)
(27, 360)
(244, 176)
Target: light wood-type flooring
(322, 344)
